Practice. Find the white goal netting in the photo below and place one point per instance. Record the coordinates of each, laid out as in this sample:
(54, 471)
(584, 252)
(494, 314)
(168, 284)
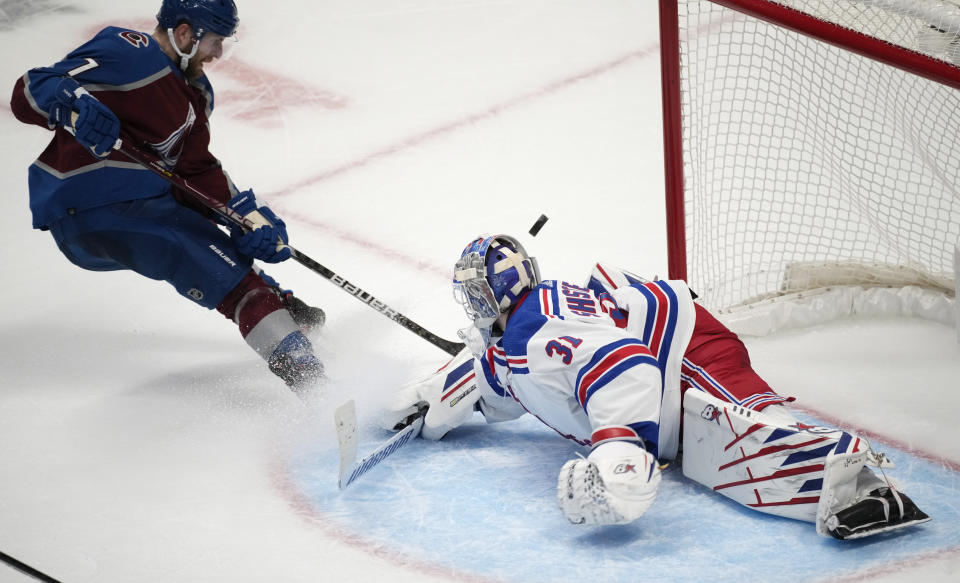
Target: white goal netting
(806, 165)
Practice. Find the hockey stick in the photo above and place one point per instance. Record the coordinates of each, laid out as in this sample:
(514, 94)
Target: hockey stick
(235, 218)
(26, 569)
(346, 424)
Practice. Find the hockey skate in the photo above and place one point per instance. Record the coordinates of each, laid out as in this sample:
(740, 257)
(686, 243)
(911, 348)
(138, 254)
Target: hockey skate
(309, 318)
(882, 510)
(296, 364)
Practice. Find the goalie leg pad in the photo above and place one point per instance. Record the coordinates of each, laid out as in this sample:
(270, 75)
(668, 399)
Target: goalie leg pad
(768, 460)
(771, 462)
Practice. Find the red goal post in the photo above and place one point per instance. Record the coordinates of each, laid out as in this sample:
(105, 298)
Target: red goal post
(811, 144)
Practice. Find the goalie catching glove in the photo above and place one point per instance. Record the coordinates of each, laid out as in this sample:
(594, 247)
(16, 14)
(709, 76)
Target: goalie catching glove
(450, 395)
(615, 484)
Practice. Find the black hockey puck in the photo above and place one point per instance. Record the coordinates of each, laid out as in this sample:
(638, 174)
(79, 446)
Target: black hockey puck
(538, 225)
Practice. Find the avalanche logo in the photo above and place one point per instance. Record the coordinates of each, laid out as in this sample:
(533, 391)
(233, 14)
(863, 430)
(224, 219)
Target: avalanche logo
(137, 39)
(170, 149)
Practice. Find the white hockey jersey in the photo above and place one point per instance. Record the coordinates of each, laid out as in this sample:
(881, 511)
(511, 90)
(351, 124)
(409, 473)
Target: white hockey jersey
(569, 357)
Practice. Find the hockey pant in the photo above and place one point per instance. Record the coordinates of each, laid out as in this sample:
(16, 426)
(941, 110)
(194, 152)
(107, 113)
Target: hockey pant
(716, 362)
(161, 239)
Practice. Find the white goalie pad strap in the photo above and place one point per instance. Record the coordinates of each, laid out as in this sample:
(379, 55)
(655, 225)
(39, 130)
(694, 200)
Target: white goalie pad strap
(846, 481)
(766, 462)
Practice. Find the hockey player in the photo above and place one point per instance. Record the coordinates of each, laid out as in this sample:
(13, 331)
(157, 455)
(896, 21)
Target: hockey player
(106, 212)
(617, 365)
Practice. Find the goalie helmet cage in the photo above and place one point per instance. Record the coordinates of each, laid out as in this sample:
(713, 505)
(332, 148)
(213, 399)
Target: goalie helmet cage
(809, 144)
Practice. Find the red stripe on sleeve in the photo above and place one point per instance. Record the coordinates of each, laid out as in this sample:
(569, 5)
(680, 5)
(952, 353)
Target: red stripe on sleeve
(608, 362)
(608, 433)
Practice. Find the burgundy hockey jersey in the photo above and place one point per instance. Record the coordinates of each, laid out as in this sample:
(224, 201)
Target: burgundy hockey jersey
(159, 111)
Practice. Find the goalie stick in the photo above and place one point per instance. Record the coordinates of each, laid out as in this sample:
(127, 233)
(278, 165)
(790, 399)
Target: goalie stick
(346, 423)
(231, 216)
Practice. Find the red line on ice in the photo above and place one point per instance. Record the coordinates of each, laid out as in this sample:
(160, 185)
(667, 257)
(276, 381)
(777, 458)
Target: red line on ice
(466, 121)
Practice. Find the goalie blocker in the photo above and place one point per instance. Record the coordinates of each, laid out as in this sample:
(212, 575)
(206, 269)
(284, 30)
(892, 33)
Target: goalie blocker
(771, 462)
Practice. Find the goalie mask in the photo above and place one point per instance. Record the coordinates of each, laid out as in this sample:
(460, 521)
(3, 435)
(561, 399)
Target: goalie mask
(489, 279)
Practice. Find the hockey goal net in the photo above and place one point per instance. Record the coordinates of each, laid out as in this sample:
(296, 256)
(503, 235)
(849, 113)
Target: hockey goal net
(811, 144)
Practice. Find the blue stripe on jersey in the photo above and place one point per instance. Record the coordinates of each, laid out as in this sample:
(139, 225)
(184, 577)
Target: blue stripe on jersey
(613, 368)
(518, 369)
(663, 352)
(491, 377)
(525, 321)
(597, 287)
(811, 485)
(649, 432)
(615, 371)
(671, 322)
(651, 313)
(601, 353)
(554, 301)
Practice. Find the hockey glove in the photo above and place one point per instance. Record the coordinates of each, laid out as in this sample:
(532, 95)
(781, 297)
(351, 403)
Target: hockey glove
(91, 122)
(450, 393)
(616, 484)
(267, 236)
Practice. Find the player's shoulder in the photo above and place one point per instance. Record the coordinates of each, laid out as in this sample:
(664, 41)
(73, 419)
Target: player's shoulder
(122, 56)
(535, 316)
(529, 314)
(116, 39)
